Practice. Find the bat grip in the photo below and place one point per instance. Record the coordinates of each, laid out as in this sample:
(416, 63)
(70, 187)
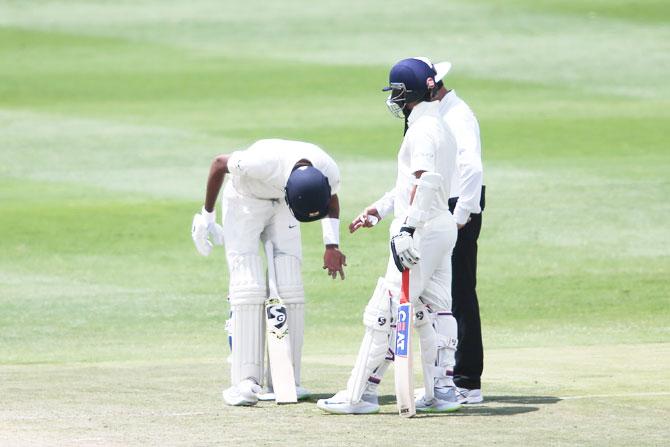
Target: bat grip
(272, 277)
(404, 287)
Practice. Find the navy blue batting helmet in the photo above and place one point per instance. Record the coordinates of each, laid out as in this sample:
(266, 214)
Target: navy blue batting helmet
(408, 82)
(308, 193)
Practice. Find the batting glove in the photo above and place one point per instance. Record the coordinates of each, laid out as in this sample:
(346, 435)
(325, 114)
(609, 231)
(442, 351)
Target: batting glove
(405, 255)
(205, 231)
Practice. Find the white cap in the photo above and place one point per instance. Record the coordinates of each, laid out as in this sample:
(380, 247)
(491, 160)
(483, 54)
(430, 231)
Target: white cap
(441, 68)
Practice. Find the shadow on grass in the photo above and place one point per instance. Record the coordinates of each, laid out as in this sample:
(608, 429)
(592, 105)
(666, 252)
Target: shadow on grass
(525, 400)
(499, 405)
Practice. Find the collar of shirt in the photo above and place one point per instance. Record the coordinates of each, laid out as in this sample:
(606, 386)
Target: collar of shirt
(450, 97)
(421, 109)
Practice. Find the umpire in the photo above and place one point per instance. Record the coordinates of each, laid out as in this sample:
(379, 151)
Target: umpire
(466, 204)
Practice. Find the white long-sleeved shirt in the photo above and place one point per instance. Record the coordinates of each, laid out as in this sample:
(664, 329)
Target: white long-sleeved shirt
(467, 183)
(427, 146)
(262, 170)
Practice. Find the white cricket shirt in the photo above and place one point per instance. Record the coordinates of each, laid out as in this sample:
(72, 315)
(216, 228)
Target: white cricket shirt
(262, 170)
(467, 183)
(427, 146)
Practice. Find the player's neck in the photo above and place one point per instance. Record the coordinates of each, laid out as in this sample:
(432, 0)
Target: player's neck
(441, 93)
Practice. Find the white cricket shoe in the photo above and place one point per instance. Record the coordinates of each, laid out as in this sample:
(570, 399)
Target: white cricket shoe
(268, 394)
(445, 401)
(244, 393)
(340, 404)
(468, 396)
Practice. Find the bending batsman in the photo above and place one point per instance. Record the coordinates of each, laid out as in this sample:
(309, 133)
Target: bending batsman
(275, 184)
(423, 234)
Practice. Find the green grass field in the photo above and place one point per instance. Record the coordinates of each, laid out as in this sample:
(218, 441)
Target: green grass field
(111, 325)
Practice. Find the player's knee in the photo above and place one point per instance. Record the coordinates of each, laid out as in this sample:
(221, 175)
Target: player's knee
(423, 315)
(377, 314)
(247, 280)
(289, 279)
(438, 294)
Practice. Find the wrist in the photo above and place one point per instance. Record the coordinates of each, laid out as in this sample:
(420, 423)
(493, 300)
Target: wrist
(461, 216)
(210, 216)
(331, 231)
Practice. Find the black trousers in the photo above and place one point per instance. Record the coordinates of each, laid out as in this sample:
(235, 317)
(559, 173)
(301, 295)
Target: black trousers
(465, 307)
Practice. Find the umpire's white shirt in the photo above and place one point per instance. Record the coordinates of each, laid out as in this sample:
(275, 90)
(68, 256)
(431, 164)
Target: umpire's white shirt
(427, 146)
(467, 183)
(262, 170)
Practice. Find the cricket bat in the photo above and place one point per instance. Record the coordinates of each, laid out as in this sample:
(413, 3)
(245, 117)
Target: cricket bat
(404, 376)
(278, 342)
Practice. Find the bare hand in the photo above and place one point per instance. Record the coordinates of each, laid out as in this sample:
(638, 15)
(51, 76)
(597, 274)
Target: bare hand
(368, 218)
(334, 261)
(460, 226)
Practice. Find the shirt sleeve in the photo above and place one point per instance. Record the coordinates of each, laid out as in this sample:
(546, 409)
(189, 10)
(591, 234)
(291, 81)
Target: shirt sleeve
(422, 147)
(248, 164)
(470, 171)
(385, 205)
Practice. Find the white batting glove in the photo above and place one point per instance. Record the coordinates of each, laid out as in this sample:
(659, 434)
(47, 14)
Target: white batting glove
(405, 255)
(204, 231)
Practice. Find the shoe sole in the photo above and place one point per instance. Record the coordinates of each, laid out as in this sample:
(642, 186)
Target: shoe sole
(240, 404)
(470, 400)
(330, 410)
(268, 397)
(437, 410)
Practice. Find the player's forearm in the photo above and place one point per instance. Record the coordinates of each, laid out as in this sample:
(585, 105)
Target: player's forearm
(217, 173)
(334, 207)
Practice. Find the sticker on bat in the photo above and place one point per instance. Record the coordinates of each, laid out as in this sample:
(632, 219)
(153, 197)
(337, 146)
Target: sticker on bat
(402, 328)
(275, 313)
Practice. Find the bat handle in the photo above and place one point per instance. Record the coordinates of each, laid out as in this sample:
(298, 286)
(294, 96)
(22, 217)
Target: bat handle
(404, 287)
(272, 278)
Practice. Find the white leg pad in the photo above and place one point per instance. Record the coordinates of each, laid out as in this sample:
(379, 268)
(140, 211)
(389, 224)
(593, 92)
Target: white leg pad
(247, 294)
(378, 373)
(447, 333)
(296, 329)
(428, 339)
(248, 343)
(247, 280)
(292, 292)
(375, 344)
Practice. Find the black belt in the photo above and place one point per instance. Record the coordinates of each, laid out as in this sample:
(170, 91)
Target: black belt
(482, 201)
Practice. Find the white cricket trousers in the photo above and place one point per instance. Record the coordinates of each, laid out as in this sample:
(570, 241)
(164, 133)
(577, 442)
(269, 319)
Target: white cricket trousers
(248, 220)
(430, 279)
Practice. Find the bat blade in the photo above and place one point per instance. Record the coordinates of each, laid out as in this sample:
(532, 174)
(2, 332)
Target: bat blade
(279, 351)
(404, 376)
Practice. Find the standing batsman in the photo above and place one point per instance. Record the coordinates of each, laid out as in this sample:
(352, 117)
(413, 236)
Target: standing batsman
(423, 234)
(274, 185)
